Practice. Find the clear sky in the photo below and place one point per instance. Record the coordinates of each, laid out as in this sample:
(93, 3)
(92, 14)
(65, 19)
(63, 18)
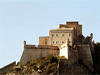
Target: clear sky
(28, 19)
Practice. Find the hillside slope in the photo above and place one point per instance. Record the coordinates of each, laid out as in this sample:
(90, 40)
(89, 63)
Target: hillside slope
(44, 65)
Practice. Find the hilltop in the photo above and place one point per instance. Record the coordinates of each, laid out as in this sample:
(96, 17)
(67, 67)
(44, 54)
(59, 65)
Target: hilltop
(43, 65)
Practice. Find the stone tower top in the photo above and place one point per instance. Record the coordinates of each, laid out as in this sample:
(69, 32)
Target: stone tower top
(24, 43)
(71, 23)
(91, 35)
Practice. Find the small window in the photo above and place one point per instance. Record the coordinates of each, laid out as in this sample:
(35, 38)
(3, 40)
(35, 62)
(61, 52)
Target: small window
(69, 41)
(69, 34)
(53, 42)
(56, 42)
(62, 42)
(56, 34)
(62, 34)
(52, 35)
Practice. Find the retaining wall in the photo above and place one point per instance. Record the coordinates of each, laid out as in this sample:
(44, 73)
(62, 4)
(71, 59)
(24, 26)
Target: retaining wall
(7, 68)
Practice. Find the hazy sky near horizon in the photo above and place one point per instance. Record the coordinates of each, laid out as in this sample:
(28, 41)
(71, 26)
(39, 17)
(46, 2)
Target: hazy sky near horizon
(28, 19)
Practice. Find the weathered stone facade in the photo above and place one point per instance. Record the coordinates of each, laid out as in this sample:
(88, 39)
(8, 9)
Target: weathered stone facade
(32, 52)
(57, 37)
(84, 53)
(44, 40)
(7, 68)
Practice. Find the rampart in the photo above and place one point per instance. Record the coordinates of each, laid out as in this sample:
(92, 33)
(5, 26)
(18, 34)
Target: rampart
(72, 55)
(34, 52)
(84, 53)
(7, 68)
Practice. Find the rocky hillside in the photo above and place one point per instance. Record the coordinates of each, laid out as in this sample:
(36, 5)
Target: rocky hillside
(44, 65)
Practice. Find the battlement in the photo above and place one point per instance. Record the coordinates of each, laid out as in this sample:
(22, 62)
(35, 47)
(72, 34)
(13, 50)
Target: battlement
(32, 52)
(72, 23)
(40, 47)
(62, 26)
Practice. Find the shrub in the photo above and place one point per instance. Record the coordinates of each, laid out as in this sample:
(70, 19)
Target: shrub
(34, 66)
(53, 59)
(32, 62)
(17, 69)
(51, 68)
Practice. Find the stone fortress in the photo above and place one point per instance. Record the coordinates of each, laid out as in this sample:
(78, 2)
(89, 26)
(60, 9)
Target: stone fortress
(62, 42)
(66, 41)
(57, 37)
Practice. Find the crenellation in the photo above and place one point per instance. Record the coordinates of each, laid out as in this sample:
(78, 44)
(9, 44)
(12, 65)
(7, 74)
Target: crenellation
(72, 23)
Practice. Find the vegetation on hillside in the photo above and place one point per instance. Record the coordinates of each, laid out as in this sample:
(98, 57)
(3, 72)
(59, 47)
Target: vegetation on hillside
(43, 65)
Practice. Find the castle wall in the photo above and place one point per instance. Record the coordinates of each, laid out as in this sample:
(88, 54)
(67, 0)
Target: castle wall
(84, 53)
(37, 52)
(7, 68)
(64, 51)
(43, 40)
(72, 55)
(79, 29)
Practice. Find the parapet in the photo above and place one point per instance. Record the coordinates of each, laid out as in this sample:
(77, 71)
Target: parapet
(72, 23)
(48, 47)
(40, 46)
(62, 25)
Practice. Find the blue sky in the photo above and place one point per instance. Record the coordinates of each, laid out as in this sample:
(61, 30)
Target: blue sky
(28, 19)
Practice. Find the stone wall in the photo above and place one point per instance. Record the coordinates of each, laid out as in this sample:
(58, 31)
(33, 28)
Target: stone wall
(84, 53)
(7, 68)
(72, 55)
(64, 50)
(44, 40)
(37, 52)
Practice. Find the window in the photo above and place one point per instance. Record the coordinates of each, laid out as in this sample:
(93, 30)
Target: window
(56, 34)
(69, 41)
(52, 35)
(45, 41)
(69, 34)
(62, 42)
(56, 42)
(53, 42)
(62, 34)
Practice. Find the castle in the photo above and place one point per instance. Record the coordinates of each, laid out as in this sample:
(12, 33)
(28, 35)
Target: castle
(62, 42)
(57, 37)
